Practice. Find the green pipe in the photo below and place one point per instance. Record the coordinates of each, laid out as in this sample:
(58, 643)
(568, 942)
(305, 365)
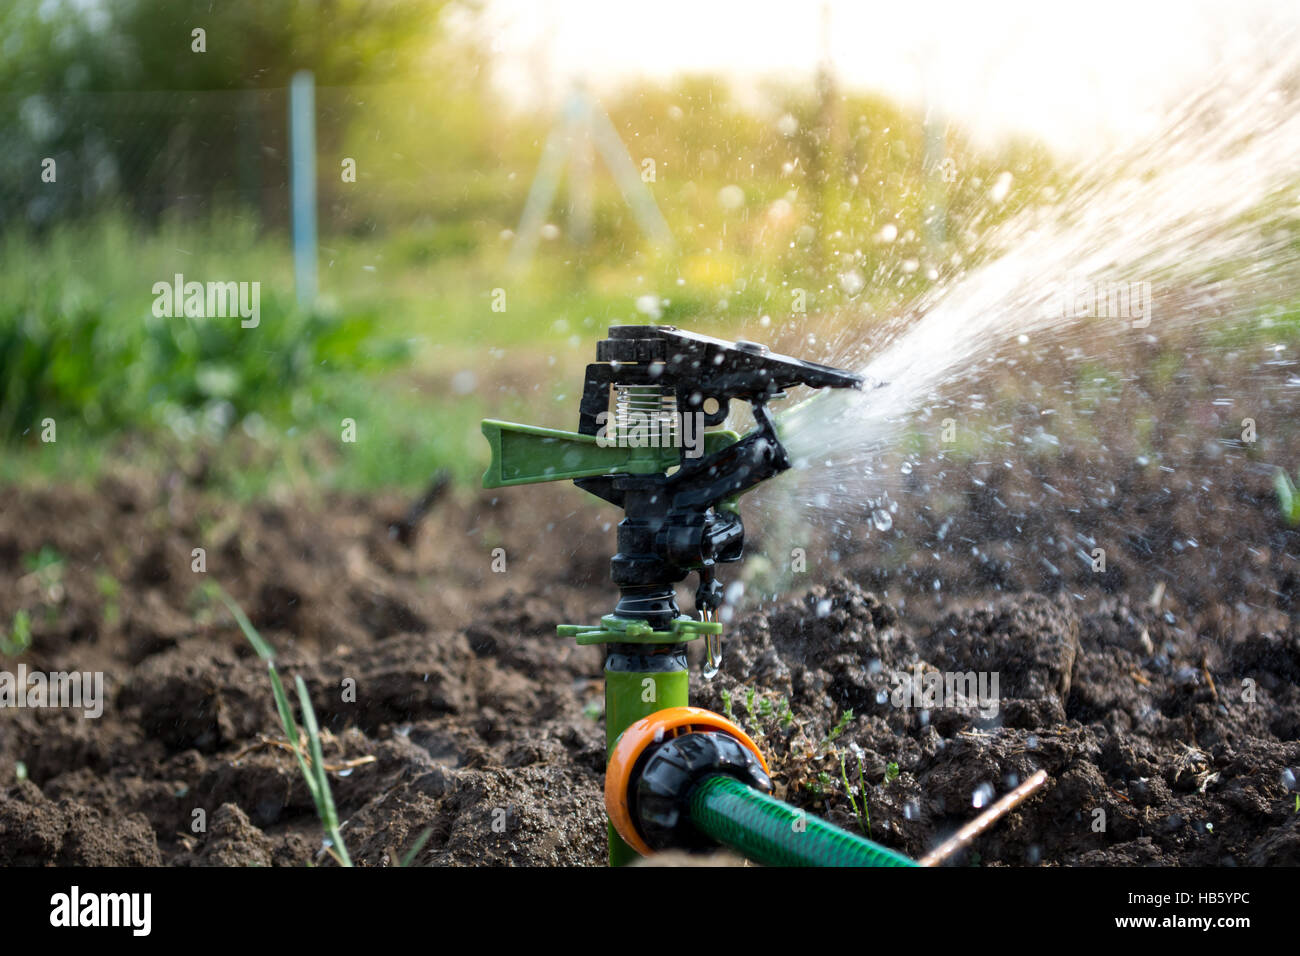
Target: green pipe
(767, 831)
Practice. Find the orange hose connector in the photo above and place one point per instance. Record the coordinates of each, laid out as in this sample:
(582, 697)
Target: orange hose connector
(632, 743)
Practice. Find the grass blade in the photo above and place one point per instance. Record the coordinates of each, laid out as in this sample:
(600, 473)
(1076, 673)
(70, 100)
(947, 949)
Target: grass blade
(313, 773)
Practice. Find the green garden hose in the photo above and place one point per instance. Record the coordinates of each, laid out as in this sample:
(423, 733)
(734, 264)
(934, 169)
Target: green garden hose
(765, 830)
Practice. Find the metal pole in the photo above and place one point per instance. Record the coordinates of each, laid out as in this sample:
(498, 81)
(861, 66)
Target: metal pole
(302, 183)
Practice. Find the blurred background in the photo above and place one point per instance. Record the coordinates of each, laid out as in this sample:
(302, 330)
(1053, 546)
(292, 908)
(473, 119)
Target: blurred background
(693, 163)
(173, 160)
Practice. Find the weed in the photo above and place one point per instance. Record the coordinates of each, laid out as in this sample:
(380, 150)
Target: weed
(861, 812)
(845, 719)
(19, 637)
(726, 706)
(416, 847)
(313, 772)
(1287, 498)
(891, 772)
(109, 589)
(783, 712)
(45, 568)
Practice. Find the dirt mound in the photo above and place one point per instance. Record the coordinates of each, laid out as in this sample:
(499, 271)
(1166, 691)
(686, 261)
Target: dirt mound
(1151, 757)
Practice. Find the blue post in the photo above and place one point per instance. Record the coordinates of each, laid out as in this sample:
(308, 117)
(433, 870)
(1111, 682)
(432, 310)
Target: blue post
(302, 183)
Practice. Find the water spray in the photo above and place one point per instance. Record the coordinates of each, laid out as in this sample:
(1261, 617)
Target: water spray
(678, 777)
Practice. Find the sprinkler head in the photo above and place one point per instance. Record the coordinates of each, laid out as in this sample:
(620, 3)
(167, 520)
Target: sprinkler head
(651, 457)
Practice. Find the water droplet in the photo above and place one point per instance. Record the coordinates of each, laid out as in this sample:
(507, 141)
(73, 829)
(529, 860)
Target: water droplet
(1001, 187)
(982, 796)
(881, 519)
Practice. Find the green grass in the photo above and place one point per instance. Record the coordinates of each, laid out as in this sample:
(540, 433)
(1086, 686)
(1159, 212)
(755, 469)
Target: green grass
(19, 637)
(1287, 498)
(312, 764)
(305, 742)
(859, 810)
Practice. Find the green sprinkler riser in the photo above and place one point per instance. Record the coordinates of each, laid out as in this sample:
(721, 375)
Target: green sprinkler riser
(631, 695)
(767, 831)
(625, 699)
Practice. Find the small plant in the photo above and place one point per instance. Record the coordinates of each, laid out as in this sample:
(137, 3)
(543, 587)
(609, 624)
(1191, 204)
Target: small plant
(846, 718)
(409, 857)
(1287, 498)
(819, 786)
(109, 590)
(784, 713)
(314, 772)
(45, 568)
(891, 772)
(19, 637)
(45, 561)
(726, 706)
(861, 812)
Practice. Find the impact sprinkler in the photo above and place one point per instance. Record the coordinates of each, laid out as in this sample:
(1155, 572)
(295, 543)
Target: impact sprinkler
(677, 777)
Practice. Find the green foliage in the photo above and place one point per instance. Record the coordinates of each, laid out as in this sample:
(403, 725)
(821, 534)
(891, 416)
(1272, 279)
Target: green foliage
(19, 638)
(841, 725)
(46, 564)
(110, 590)
(97, 359)
(860, 811)
(1287, 499)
